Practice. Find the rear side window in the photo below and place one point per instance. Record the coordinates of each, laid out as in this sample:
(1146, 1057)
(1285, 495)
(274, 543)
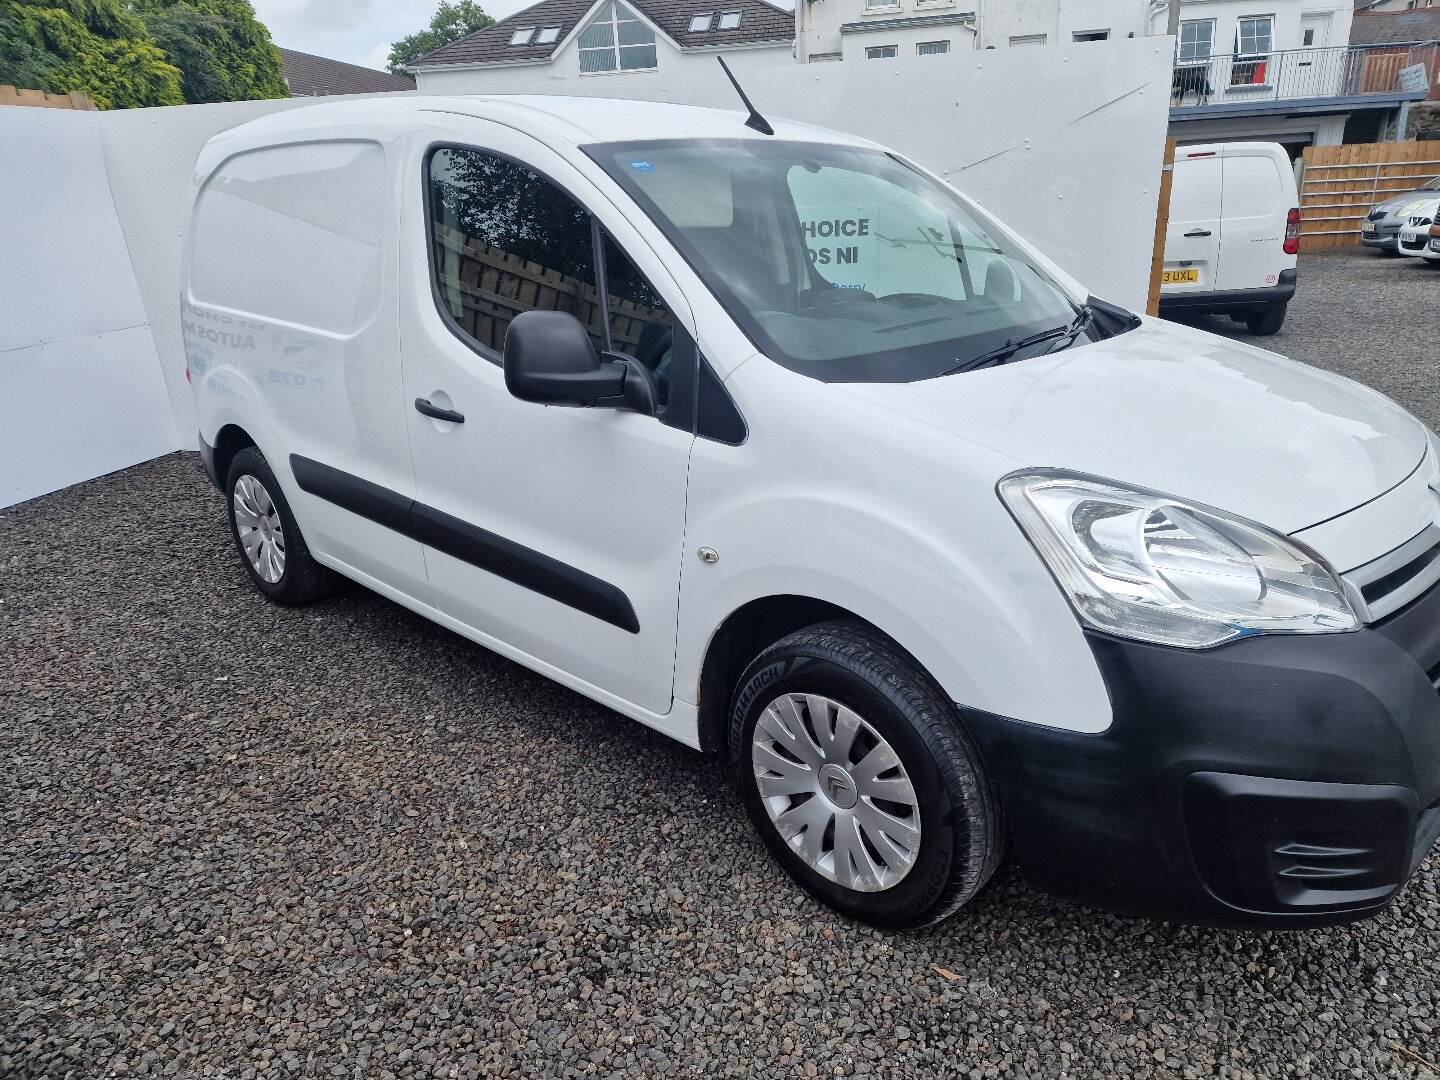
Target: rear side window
(294, 234)
(507, 240)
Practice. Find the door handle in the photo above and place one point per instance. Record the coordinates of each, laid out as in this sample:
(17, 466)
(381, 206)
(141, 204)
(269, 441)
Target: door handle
(1192, 232)
(450, 416)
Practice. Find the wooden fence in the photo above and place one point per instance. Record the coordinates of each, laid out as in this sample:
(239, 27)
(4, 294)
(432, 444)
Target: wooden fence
(10, 95)
(485, 287)
(1340, 184)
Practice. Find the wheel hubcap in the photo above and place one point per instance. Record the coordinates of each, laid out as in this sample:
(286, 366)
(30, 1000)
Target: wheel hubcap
(257, 523)
(836, 792)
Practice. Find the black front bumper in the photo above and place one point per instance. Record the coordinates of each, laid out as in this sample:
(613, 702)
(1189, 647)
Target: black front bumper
(1227, 300)
(1275, 781)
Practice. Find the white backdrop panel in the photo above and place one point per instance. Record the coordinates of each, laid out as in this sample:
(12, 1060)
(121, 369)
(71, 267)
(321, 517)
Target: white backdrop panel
(79, 407)
(65, 270)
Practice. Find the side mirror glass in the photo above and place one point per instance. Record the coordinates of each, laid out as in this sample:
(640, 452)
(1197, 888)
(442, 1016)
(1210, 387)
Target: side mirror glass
(550, 360)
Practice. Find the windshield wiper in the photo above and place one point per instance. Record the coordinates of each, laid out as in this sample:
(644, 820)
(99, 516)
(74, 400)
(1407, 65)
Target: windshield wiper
(1004, 352)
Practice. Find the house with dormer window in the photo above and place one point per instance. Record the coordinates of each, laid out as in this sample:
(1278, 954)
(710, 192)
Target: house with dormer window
(594, 38)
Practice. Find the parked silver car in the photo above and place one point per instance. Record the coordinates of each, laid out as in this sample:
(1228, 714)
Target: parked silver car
(1382, 225)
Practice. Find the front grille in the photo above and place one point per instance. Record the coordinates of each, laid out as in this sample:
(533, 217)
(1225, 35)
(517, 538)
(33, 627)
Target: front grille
(1388, 583)
(1413, 245)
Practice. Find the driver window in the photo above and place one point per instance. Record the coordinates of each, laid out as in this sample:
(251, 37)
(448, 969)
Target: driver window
(641, 324)
(866, 233)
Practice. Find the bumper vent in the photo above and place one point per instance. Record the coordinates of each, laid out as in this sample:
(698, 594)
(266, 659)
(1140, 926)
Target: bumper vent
(1385, 585)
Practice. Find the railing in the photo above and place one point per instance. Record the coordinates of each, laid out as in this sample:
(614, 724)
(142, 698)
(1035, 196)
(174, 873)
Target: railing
(1292, 74)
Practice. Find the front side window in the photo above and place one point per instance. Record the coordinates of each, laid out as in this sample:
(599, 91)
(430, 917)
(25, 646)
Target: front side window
(881, 52)
(841, 263)
(616, 40)
(1197, 40)
(507, 240)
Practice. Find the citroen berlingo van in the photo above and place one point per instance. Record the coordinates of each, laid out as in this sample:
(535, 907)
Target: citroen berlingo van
(764, 436)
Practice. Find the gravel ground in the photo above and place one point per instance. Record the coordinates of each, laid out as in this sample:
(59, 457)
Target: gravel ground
(243, 841)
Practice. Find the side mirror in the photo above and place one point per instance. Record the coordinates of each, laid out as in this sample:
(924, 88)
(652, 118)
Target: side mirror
(550, 360)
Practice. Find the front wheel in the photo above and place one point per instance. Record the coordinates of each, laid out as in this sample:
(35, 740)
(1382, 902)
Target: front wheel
(267, 536)
(860, 779)
(1266, 321)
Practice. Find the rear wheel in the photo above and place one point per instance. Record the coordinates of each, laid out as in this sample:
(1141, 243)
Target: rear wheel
(267, 536)
(857, 774)
(1266, 321)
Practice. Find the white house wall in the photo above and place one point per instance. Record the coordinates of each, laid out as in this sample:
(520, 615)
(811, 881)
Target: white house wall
(905, 39)
(1287, 13)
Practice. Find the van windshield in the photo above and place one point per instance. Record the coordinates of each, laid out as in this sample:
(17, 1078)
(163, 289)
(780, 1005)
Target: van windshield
(842, 263)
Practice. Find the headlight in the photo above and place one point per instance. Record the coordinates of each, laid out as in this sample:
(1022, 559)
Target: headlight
(1145, 566)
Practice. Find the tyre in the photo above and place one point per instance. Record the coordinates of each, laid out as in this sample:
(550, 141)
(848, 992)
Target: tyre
(267, 537)
(1266, 321)
(858, 775)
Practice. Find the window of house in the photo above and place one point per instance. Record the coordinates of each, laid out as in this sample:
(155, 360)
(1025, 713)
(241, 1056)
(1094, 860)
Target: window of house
(616, 40)
(1090, 35)
(1254, 35)
(931, 48)
(824, 57)
(881, 52)
(730, 20)
(886, 4)
(1028, 39)
(1197, 40)
(522, 36)
(1254, 38)
(506, 240)
(548, 36)
(700, 22)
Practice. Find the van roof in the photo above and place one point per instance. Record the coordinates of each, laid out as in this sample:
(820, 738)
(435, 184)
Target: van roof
(577, 120)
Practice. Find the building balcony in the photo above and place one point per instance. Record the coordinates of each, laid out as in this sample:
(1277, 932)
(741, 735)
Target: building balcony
(1337, 79)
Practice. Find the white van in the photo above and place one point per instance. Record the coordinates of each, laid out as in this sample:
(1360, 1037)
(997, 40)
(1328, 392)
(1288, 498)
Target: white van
(1233, 236)
(781, 446)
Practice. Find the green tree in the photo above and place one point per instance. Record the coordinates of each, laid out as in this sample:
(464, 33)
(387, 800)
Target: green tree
(451, 22)
(98, 46)
(222, 50)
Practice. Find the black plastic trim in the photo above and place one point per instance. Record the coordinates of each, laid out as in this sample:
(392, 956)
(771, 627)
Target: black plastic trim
(523, 566)
(1230, 778)
(469, 543)
(1228, 299)
(207, 462)
(371, 501)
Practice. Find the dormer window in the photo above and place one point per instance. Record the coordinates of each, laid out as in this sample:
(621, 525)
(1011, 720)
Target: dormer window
(616, 40)
(522, 36)
(699, 23)
(730, 20)
(548, 36)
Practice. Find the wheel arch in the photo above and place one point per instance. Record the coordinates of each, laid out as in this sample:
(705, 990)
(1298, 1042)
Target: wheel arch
(229, 441)
(743, 635)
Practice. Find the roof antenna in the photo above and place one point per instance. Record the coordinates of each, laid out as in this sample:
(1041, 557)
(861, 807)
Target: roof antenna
(755, 120)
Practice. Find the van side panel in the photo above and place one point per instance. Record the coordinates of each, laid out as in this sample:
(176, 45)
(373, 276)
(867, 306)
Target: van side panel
(290, 302)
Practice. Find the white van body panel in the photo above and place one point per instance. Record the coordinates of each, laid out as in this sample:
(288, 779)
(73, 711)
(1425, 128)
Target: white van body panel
(877, 498)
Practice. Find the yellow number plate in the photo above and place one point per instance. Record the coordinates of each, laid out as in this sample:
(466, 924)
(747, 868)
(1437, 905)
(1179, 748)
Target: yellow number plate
(1179, 277)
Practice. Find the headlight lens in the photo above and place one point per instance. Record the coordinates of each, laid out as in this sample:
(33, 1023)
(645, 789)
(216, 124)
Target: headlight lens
(1145, 566)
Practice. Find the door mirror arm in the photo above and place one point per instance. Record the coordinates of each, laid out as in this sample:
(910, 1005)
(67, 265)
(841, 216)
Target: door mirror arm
(637, 392)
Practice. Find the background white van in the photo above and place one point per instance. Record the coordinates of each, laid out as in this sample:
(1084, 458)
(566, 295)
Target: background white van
(1234, 234)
